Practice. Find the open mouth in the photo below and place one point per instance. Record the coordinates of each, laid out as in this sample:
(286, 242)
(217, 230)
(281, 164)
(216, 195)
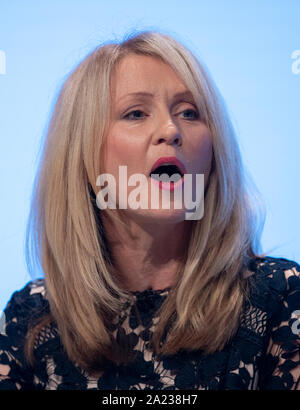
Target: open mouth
(167, 173)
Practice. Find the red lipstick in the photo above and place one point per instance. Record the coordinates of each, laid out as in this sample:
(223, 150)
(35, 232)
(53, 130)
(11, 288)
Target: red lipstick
(169, 186)
(170, 161)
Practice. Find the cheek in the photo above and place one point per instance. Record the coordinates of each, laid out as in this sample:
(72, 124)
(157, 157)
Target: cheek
(122, 150)
(205, 156)
(201, 154)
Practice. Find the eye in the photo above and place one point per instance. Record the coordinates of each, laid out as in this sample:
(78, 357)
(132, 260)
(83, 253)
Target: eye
(135, 115)
(190, 114)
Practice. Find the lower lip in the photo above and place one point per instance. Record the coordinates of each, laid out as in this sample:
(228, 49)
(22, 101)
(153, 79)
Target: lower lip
(168, 186)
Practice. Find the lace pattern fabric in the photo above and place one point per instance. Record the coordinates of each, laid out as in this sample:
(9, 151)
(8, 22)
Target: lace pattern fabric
(264, 353)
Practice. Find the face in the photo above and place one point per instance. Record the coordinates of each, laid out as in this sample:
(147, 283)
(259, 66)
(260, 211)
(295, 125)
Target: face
(153, 118)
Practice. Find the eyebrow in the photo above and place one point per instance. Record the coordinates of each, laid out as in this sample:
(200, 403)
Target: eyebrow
(178, 96)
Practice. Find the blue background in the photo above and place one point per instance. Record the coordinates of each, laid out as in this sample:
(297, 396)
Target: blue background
(247, 47)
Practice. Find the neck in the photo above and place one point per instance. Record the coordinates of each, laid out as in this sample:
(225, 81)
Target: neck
(146, 254)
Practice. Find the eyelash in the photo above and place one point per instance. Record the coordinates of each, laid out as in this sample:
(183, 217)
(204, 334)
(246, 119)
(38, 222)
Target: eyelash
(140, 111)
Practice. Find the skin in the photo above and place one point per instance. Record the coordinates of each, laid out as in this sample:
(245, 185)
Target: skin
(148, 250)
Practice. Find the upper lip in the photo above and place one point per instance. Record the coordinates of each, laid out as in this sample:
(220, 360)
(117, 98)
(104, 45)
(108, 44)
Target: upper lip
(170, 161)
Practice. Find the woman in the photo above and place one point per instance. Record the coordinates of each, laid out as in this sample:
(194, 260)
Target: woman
(141, 296)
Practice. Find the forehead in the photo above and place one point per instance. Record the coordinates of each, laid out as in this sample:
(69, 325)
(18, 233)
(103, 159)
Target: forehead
(140, 73)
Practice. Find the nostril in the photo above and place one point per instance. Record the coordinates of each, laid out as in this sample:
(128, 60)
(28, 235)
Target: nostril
(176, 140)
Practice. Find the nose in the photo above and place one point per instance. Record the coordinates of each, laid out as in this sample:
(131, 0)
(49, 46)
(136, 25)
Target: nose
(168, 132)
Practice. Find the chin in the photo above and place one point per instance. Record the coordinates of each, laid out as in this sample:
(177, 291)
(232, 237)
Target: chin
(157, 215)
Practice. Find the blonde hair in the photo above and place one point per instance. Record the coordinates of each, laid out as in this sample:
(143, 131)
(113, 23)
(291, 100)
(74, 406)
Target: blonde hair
(66, 237)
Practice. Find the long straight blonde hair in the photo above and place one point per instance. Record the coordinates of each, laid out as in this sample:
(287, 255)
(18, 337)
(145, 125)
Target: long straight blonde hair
(66, 238)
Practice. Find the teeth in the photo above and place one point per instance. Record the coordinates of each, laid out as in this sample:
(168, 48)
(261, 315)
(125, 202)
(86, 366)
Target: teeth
(167, 168)
(166, 177)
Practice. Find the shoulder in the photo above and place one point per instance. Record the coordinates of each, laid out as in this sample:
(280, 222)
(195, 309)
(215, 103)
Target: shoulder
(24, 307)
(278, 277)
(31, 296)
(267, 265)
(274, 294)
(274, 314)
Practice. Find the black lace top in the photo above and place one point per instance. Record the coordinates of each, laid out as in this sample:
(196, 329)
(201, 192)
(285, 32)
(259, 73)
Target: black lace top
(264, 353)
